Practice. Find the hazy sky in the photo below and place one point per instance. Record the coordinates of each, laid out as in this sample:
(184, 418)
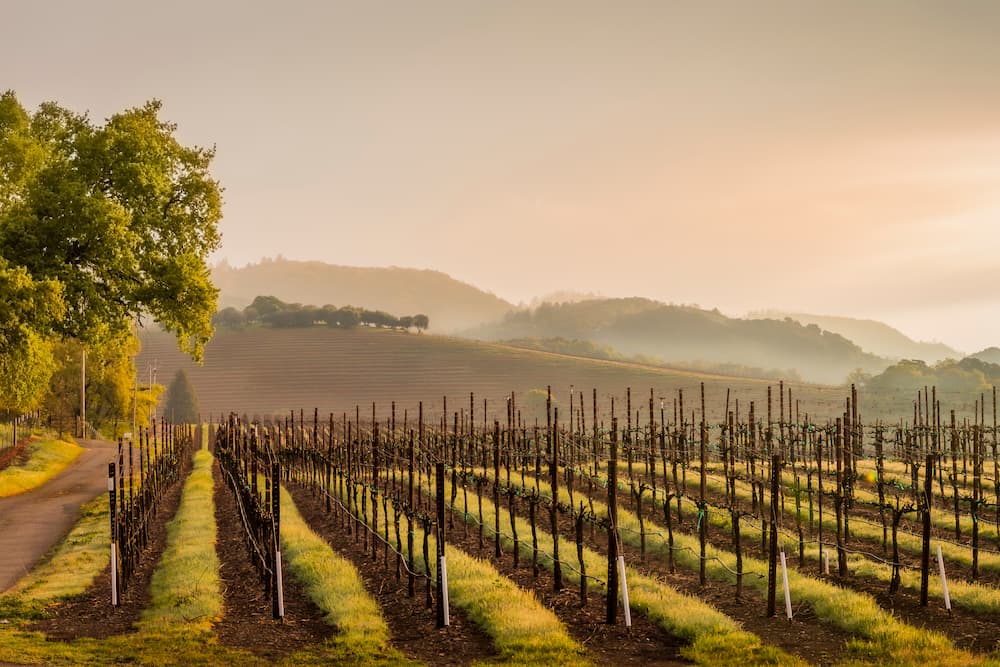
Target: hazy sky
(830, 157)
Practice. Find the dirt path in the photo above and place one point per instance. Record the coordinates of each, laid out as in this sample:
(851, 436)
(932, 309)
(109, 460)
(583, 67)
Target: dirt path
(31, 523)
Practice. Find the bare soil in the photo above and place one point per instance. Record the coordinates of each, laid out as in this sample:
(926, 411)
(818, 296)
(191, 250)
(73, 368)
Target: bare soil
(247, 620)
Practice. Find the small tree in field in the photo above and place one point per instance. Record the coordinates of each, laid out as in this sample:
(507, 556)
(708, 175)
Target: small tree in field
(182, 404)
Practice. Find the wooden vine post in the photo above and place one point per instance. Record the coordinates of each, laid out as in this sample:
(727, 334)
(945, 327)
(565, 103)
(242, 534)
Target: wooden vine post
(612, 599)
(772, 557)
(557, 583)
(278, 600)
(411, 583)
(925, 552)
(702, 505)
(496, 489)
(819, 497)
(442, 593)
(114, 535)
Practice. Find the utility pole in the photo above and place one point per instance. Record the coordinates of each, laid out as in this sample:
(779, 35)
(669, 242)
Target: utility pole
(135, 404)
(152, 379)
(83, 394)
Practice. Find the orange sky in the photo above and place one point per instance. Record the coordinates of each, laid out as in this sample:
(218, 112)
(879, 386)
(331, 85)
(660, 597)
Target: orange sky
(828, 157)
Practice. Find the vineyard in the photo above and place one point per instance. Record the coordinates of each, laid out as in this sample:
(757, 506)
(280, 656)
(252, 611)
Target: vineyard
(641, 531)
(616, 511)
(272, 371)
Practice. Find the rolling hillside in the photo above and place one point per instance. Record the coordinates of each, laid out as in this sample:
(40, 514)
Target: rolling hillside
(277, 370)
(449, 303)
(990, 355)
(679, 334)
(872, 336)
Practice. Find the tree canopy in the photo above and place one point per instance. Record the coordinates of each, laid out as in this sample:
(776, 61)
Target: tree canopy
(101, 225)
(272, 311)
(182, 403)
(120, 216)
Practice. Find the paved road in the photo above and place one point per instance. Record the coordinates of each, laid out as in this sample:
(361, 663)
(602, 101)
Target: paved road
(31, 523)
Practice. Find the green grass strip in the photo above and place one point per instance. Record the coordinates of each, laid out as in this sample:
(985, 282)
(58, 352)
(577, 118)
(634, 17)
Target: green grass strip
(334, 585)
(883, 637)
(47, 458)
(971, 596)
(941, 517)
(715, 638)
(975, 597)
(186, 589)
(523, 630)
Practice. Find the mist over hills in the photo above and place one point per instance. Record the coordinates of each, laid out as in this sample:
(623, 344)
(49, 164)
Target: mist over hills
(450, 304)
(638, 326)
(813, 347)
(990, 355)
(871, 336)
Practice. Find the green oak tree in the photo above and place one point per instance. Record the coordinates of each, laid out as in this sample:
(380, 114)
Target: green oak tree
(101, 226)
(121, 215)
(29, 310)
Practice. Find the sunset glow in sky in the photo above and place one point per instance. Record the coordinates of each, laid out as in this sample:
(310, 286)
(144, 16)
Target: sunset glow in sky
(828, 157)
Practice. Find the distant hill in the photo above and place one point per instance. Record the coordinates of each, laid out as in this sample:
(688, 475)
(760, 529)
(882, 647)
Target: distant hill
(564, 296)
(672, 333)
(591, 350)
(448, 303)
(990, 355)
(872, 336)
(268, 371)
(957, 385)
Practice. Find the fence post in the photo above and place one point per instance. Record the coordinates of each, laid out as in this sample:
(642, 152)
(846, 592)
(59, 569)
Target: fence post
(613, 526)
(925, 553)
(496, 489)
(557, 583)
(442, 591)
(278, 609)
(114, 537)
(772, 559)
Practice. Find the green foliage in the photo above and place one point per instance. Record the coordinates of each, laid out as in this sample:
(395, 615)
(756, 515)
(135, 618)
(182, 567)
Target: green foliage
(970, 376)
(273, 312)
(29, 309)
(534, 405)
(110, 384)
(230, 318)
(182, 403)
(28, 305)
(25, 371)
(118, 218)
